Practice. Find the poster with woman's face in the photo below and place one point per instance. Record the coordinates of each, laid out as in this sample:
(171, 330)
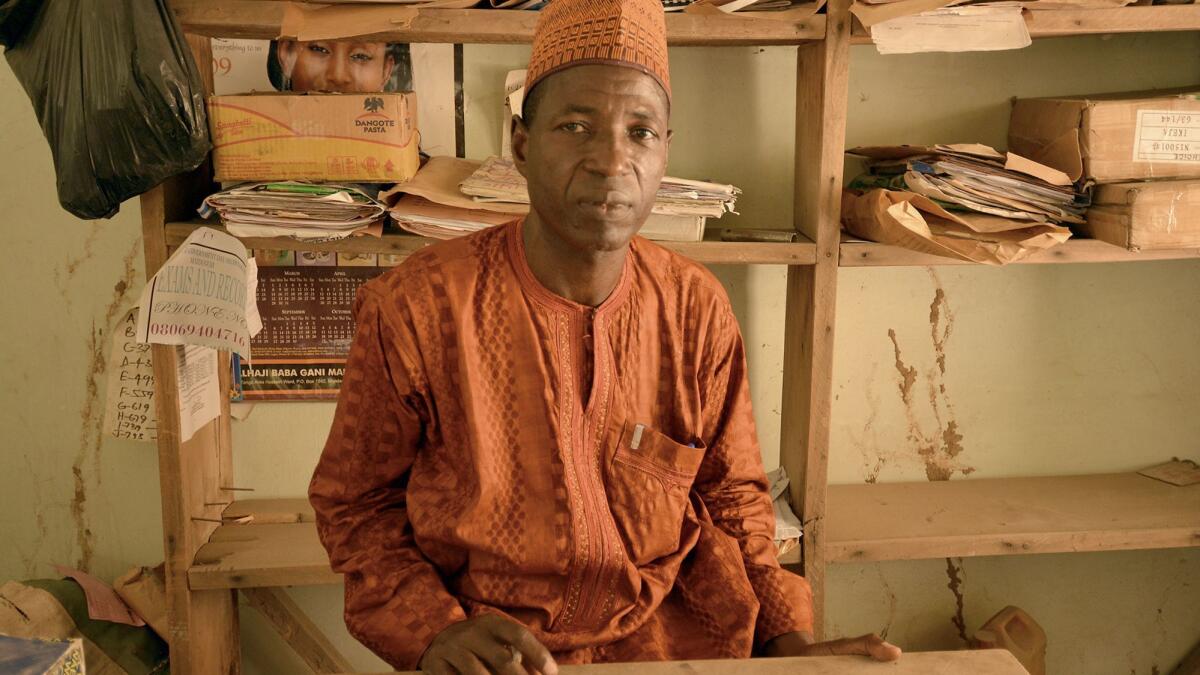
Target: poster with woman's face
(353, 66)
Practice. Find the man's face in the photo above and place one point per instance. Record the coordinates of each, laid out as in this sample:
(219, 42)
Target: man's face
(594, 153)
(346, 67)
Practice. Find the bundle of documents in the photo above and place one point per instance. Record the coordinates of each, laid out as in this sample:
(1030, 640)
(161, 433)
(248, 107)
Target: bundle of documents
(301, 210)
(433, 204)
(497, 180)
(967, 202)
(439, 221)
(972, 177)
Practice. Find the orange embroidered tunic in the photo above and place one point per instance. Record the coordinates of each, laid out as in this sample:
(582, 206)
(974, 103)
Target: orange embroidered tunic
(471, 469)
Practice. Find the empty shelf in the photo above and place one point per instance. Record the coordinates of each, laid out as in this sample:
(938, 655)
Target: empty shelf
(903, 521)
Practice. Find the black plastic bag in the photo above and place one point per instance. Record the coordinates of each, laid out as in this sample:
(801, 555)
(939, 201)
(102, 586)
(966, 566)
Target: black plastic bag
(116, 91)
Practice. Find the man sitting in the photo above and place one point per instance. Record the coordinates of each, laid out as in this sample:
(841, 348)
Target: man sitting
(544, 449)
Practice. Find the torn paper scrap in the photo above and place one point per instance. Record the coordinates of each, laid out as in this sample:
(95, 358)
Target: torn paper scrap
(969, 28)
(129, 407)
(144, 589)
(199, 296)
(514, 99)
(103, 603)
(199, 388)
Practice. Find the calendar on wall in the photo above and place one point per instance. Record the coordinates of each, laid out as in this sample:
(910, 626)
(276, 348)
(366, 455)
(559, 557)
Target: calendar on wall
(306, 300)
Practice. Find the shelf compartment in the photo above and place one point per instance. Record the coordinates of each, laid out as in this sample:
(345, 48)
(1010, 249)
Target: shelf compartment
(870, 254)
(1002, 516)
(707, 252)
(261, 20)
(1048, 23)
(279, 547)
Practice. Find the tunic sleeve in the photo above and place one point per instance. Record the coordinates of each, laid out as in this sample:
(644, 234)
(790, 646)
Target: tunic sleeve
(734, 488)
(396, 602)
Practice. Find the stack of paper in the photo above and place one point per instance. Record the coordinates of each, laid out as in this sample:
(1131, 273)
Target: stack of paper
(967, 202)
(971, 177)
(498, 180)
(501, 195)
(300, 210)
(439, 221)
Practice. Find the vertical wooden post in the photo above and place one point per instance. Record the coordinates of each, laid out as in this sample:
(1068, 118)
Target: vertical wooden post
(203, 625)
(821, 99)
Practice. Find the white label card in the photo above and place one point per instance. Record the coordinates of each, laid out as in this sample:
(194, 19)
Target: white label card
(1167, 136)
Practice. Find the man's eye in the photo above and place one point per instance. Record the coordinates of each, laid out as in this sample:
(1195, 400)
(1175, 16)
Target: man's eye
(644, 134)
(362, 57)
(574, 127)
(317, 48)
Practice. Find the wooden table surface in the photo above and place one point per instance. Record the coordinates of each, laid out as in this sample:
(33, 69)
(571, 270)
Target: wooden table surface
(979, 662)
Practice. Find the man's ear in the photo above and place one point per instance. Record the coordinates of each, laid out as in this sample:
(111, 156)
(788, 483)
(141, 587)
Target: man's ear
(519, 142)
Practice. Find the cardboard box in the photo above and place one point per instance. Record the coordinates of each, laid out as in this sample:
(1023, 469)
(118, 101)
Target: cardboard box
(366, 138)
(1112, 137)
(1146, 216)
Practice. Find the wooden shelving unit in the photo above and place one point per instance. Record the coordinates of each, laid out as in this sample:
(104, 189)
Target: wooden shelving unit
(1048, 23)
(708, 252)
(278, 547)
(211, 549)
(263, 20)
(870, 254)
(1004, 516)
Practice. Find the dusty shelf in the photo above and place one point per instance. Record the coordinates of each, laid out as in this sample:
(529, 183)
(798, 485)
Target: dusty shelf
(870, 254)
(1048, 23)
(708, 252)
(262, 20)
(1000, 516)
(279, 547)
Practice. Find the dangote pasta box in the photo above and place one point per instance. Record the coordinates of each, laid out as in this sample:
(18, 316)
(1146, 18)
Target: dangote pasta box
(363, 138)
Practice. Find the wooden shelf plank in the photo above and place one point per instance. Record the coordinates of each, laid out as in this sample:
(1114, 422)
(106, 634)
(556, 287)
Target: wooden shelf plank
(1154, 19)
(870, 254)
(1050, 23)
(278, 548)
(261, 20)
(707, 252)
(976, 662)
(905, 521)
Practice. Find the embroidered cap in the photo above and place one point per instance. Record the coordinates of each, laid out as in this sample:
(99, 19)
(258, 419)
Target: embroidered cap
(630, 33)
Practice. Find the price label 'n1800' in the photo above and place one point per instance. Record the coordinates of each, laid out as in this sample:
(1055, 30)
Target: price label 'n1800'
(1167, 136)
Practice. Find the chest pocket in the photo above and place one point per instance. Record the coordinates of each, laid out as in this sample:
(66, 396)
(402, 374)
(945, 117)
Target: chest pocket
(648, 484)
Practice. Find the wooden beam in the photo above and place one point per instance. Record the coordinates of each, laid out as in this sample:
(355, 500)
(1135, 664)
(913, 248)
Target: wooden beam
(294, 626)
(821, 101)
(1003, 516)
(1104, 21)
(707, 252)
(262, 20)
(976, 662)
(202, 626)
(870, 254)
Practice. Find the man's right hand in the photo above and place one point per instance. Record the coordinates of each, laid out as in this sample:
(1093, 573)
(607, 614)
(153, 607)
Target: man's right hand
(485, 645)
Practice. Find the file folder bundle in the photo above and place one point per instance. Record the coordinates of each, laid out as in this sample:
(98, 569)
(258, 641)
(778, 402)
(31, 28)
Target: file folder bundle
(291, 209)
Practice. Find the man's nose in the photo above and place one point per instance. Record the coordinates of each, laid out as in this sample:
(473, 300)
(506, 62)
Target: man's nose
(609, 154)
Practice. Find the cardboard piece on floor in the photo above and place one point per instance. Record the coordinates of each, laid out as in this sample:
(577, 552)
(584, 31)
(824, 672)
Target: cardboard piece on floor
(1178, 472)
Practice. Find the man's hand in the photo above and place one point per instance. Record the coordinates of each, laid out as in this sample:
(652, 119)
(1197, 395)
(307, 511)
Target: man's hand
(484, 645)
(802, 644)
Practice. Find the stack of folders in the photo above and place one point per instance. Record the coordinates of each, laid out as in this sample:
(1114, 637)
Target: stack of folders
(679, 211)
(967, 201)
(975, 178)
(300, 210)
